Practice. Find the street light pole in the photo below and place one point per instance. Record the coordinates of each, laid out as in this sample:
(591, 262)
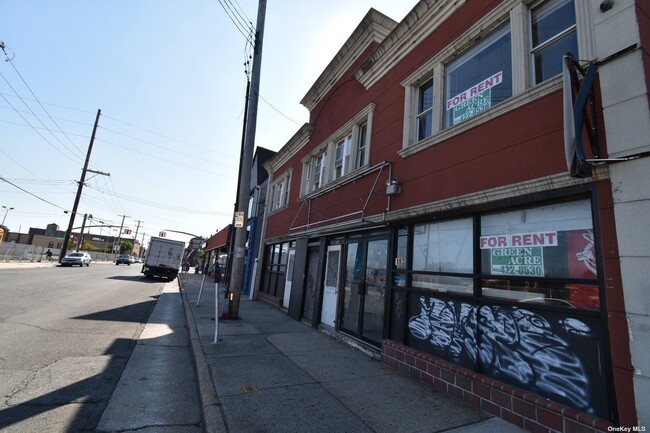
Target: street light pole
(6, 212)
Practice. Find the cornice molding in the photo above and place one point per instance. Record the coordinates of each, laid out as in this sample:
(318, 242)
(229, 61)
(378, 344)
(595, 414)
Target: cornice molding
(295, 143)
(423, 20)
(547, 183)
(374, 27)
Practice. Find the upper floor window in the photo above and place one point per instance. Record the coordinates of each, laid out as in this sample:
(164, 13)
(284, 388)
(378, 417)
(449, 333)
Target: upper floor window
(280, 192)
(346, 150)
(425, 110)
(480, 78)
(516, 45)
(362, 146)
(320, 162)
(553, 34)
(342, 157)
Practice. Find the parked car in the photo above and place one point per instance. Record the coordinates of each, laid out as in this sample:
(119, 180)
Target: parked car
(124, 259)
(76, 258)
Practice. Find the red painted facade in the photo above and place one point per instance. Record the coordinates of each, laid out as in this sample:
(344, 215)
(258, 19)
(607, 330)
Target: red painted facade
(512, 158)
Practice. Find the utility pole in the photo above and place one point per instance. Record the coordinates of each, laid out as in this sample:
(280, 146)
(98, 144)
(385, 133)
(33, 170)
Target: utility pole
(119, 235)
(81, 234)
(73, 214)
(135, 236)
(142, 244)
(237, 276)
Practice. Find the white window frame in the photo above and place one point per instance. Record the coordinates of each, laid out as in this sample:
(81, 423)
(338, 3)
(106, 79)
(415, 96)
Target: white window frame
(550, 41)
(426, 112)
(355, 154)
(279, 192)
(362, 146)
(518, 13)
(319, 171)
(342, 151)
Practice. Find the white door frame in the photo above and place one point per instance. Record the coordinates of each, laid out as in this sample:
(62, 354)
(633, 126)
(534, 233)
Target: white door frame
(288, 278)
(331, 287)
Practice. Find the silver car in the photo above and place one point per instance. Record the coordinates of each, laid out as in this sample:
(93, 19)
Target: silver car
(76, 258)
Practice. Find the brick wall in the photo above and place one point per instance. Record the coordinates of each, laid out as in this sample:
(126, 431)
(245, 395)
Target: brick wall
(522, 408)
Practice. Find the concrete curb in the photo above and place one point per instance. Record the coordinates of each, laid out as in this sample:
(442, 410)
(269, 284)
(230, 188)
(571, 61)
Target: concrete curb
(213, 420)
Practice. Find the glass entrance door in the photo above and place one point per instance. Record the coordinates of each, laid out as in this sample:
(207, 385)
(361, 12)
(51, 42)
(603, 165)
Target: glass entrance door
(365, 288)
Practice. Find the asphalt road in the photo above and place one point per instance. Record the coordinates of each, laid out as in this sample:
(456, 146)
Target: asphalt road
(66, 335)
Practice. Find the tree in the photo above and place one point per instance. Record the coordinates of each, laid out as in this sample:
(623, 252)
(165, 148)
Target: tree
(88, 246)
(125, 246)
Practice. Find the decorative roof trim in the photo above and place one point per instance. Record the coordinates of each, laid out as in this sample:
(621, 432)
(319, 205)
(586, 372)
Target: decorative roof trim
(295, 143)
(423, 20)
(374, 27)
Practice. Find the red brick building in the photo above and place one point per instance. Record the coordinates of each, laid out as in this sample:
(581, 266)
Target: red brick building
(451, 204)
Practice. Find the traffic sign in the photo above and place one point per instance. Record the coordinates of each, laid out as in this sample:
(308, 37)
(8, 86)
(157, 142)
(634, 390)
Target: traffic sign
(239, 219)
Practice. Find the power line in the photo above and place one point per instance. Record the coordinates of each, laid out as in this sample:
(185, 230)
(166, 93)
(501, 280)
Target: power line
(239, 11)
(41, 105)
(280, 112)
(240, 24)
(30, 193)
(160, 205)
(149, 155)
(159, 146)
(34, 114)
(35, 130)
(55, 105)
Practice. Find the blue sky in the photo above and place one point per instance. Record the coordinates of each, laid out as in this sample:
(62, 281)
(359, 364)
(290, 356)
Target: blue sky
(169, 79)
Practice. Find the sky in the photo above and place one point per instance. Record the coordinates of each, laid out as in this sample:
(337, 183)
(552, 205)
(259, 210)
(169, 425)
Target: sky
(169, 78)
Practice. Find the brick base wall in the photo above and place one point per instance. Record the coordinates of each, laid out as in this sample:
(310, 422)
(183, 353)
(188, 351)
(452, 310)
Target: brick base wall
(522, 408)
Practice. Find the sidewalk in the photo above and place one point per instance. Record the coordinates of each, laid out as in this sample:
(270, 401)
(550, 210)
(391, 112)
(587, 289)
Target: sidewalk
(270, 373)
(157, 392)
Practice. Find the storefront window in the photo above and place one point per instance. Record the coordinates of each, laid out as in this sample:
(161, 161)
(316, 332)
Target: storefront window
(275, 269)
(555, 241)
(443, 283)
(443, 247)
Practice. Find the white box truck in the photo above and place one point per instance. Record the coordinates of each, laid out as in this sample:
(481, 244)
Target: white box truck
(163, 258)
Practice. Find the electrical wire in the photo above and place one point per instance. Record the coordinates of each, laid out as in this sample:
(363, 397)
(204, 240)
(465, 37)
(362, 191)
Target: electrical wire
(37, 118)
(165, 207)
(42, 107)
(30, 193)
(150, 156)
(159, 146)
(279, 112)
(203, 149)
(242, 27)
(35, 130)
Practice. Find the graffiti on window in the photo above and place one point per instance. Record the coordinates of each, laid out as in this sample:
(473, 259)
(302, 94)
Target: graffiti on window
(550, 354)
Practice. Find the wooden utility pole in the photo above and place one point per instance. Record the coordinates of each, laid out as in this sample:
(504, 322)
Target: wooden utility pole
(239, 250)
(68, 232)
(119, 236)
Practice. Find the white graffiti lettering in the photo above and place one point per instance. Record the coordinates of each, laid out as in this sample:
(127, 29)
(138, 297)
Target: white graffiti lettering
(517, 345)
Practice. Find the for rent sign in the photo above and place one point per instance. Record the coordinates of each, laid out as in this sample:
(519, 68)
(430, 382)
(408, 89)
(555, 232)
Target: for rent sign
(474, 100)
(518, 254)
